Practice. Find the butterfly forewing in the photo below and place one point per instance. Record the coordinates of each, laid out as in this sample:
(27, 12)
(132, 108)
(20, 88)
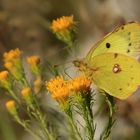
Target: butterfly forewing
(124, 39)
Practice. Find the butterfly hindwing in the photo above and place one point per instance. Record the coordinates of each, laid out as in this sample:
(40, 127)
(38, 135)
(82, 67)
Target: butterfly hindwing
(117, 74)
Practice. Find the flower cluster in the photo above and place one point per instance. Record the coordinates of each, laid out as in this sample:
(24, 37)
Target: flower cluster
(61, 89)
(13, 62)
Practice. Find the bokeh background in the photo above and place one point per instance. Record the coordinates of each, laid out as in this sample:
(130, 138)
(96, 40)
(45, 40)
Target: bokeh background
(25, 24)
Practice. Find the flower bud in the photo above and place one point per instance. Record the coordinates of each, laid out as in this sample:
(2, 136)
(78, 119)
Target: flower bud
(11, 107)
(5, 79)
(27, 95)
(37, 85)
(34, 63)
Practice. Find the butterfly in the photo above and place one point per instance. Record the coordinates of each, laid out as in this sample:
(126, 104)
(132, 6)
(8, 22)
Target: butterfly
(112, 65)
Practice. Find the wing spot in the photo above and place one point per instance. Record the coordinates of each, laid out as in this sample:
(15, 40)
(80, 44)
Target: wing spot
(132, 78)
(108, 45)
(115, 55)
(116, 68)
(129, 33)
(120, 89)
(129, 44)
(128, 51)
(122, 27)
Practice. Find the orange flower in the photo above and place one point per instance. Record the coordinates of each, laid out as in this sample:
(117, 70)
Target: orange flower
(64, 28)
(13, 62)
(61, 89)
(11, 107)
(28, 96)
(79, 84)
(63, 23)
(37, 85)
(12, 54)
(58, 88)
(4, 75)
(34, 63)
(5, 80)
(33, 60)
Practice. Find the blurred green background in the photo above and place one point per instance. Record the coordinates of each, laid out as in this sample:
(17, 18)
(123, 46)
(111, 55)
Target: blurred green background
(25, 24)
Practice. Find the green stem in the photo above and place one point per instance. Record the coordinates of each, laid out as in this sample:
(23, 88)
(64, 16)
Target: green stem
(37, 113)
(42, 121)
(89, 122)
(13, 95)
(88, 115)
(74, 128)
(24, 81)
(25, 126)
(107, 131)
(40, 117)
(67, 107)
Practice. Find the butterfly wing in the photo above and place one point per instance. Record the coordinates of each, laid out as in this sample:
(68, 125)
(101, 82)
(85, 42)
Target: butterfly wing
(124, 39)
(117, 74)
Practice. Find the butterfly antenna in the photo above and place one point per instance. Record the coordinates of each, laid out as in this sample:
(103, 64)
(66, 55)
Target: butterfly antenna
(65, 71)
(69, 50)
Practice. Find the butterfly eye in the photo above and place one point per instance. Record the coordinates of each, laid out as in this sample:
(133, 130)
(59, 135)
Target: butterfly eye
(108, 45)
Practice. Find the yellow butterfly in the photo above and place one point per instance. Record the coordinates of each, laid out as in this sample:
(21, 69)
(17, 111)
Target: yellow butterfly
(112, 65)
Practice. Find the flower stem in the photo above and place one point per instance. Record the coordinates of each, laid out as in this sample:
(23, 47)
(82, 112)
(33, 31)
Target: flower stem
(42, 121)
(13, 95)
(74, 128)
(75, 134)
(107, 131)
(89, 122)
(25, 126)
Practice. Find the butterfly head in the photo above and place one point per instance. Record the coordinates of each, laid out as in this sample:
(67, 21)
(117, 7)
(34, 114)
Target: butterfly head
(80, 64)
